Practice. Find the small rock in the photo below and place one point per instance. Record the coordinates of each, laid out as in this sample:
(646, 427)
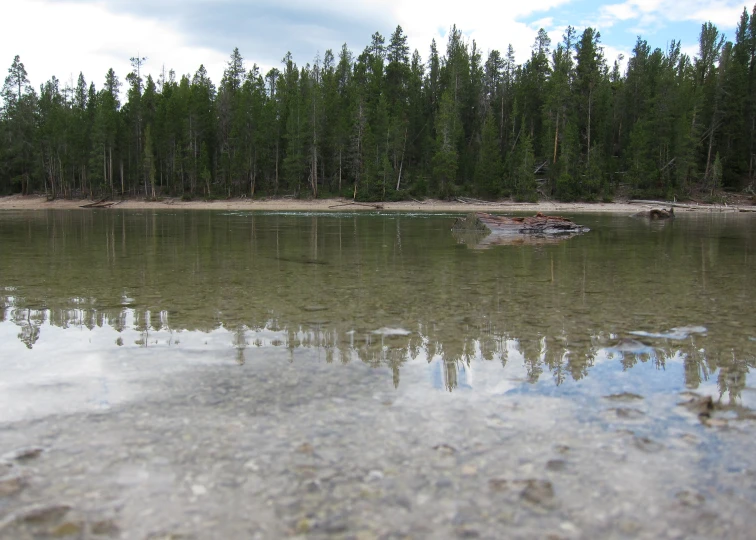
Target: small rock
(335, 525)
(199, 490)
(41, 514)
(69, 528)
(251, 465)
(445, 449)
(703, 407)
(313, 486)
(628, 527)
(374, 476)
(556, 465)
(104, 527)
(498, 484)
(624, 396)
(302, 527)
(469, 470)
(539, 492)
(305, 448)
(690, 498)
(314, 308)
(467, 532)
(23, 454)
(629, 414)
(443, 483)
(646, 444)
(568, 526)
(11, 483)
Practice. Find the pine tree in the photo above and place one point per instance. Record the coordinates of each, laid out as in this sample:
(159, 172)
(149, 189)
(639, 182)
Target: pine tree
(489, 171)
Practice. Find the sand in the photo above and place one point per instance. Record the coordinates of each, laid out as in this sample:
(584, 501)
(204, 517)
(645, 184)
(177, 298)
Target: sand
(40, 202)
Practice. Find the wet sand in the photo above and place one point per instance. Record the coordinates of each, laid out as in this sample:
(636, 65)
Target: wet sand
(40, 202)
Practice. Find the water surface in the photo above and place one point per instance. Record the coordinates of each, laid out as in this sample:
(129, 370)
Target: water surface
(357, 374)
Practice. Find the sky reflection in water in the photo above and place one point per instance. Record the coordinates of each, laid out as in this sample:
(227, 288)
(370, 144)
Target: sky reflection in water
(92, 301)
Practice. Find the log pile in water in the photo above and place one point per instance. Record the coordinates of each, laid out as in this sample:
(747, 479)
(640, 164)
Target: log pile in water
(483, 230)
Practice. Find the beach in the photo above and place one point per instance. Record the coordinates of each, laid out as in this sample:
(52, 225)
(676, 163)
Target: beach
(40, 202)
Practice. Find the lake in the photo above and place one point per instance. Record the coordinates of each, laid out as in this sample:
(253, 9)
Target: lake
(239, 374)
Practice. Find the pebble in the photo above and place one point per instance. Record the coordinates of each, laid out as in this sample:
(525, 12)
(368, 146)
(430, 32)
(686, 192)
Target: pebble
(539, 492)
(630, 414)
(690, 498)
(199, 490)
(469, 470)
(374, 476)
(624, 396)
(11, 483)
(23, 454)
(104, 527)
(69, 528)
(646, 444)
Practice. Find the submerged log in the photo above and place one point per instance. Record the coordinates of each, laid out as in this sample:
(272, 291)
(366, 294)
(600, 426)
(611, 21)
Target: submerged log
(485, 230)
(656, 213)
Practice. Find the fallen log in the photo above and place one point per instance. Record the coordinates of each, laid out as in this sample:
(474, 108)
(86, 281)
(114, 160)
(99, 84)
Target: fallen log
(102, 203)
(534, 225)
(481, 230)
(709, 207)
(376, 206)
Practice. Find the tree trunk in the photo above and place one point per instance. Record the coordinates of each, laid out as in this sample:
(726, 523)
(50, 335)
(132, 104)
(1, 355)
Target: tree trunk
(590, 103)
(711, 144)
(556, 136)
(401, 163)
(275, 188)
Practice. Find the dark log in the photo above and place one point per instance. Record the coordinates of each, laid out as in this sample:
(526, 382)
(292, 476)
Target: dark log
(656, 213)
(483, 230)
(536, 225)
(98, 204)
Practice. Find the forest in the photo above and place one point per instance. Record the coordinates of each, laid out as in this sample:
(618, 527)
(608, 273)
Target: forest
(388, 124)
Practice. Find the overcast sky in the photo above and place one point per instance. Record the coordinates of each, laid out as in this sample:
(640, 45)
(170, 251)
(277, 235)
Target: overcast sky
(64, 37)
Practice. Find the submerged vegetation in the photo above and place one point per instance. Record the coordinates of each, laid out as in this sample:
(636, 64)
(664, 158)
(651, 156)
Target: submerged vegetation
(387, 124)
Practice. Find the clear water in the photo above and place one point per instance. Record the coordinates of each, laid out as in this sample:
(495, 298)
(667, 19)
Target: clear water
(376, 376)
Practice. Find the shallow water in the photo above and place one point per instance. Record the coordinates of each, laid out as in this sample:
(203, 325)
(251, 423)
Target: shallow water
(221, 374)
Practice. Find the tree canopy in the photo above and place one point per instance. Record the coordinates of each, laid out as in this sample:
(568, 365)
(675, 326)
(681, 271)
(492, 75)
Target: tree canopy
(385, 124)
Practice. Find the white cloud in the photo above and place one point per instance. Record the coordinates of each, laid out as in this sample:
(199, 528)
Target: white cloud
(62, 39)
(71, 36)
(493, 25)
(651, 14)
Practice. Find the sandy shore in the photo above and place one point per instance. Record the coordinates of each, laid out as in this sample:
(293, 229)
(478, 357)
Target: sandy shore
(37, 202)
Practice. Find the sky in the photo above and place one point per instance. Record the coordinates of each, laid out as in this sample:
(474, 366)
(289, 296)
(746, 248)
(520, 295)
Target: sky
(64, 37)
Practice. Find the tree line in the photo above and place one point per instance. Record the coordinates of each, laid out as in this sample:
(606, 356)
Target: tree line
(388, 125)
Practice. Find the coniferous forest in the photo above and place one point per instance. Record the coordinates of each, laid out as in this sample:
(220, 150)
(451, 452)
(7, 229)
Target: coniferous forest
(390, 124)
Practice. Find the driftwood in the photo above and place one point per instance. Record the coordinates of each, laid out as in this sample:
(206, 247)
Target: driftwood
(537, 225)
(710, 207)
(485, 230)
(376, 206)
(102, 203)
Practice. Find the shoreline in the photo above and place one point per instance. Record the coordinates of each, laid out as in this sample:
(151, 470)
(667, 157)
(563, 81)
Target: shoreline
(40, 202)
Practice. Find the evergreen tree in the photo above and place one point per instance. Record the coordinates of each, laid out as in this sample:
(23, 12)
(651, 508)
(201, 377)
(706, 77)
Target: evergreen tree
(389, 124)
